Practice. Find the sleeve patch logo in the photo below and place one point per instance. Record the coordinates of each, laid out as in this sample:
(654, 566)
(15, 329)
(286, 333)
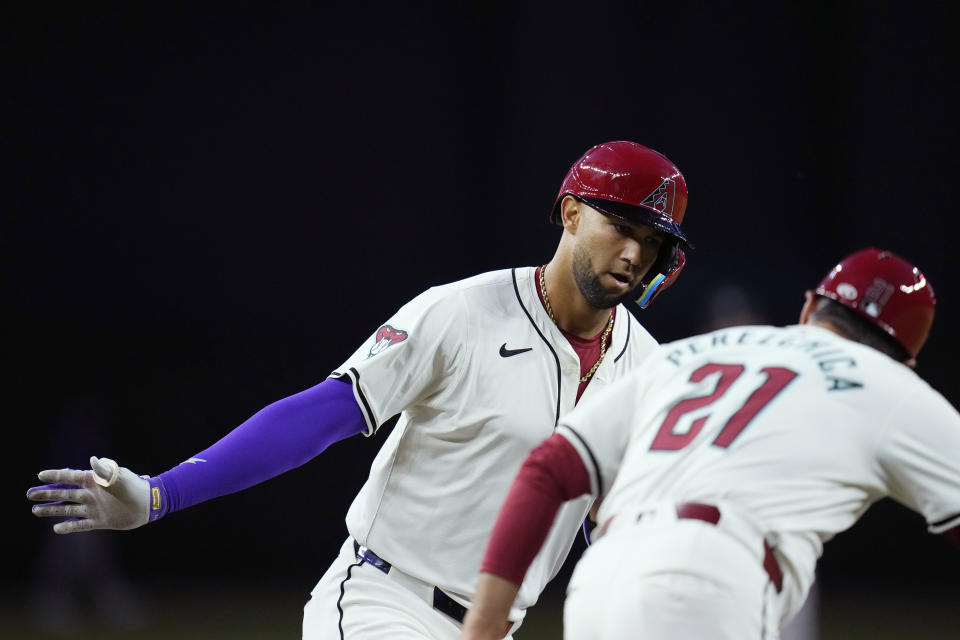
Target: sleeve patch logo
(387, 336)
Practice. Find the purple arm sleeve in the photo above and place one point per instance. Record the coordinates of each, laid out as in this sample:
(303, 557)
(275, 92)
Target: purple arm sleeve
(278, 438)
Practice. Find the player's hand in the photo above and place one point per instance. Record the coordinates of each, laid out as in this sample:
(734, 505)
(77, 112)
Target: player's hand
(106, 496)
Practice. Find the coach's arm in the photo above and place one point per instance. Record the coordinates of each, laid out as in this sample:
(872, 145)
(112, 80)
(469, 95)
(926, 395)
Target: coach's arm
(552, 474)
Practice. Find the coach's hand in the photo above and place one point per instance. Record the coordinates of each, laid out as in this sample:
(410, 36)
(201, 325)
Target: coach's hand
(106, 496)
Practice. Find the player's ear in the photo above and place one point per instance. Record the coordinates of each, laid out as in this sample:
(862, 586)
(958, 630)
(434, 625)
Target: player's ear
(570, 211)
(808, 306)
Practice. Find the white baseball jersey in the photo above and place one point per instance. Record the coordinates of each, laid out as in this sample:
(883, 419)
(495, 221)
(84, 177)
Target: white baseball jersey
(480, 375)
(796, 428)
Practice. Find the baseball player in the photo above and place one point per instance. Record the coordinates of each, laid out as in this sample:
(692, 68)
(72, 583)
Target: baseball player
(480, 372)
(732, 459)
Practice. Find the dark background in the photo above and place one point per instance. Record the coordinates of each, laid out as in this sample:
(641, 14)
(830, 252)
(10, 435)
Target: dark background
(207, 207)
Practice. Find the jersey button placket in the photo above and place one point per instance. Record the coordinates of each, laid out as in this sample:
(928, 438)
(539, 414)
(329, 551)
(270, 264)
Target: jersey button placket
(570, 371)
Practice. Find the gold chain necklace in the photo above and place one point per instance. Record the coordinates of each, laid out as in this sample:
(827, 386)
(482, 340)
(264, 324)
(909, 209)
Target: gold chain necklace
(603, 338)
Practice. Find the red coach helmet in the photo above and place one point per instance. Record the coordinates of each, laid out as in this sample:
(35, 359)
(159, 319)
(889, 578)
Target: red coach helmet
(886, 290)
(627, 180)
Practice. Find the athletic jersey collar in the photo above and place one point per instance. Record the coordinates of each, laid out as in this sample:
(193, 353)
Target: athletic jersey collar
(529, 297)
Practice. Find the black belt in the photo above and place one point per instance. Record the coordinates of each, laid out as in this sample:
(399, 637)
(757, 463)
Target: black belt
(709, 513)
(441, 601)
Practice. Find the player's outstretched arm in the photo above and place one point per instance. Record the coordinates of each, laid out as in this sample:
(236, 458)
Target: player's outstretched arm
(106, 496)
(280, 437)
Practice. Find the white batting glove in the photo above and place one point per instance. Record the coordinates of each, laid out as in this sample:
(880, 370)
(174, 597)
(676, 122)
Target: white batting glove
(106, 496)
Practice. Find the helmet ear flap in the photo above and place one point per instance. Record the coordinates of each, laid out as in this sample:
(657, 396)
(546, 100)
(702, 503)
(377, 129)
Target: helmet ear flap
(663, 273)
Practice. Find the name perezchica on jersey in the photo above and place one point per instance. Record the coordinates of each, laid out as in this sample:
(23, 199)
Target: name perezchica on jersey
(835, 363)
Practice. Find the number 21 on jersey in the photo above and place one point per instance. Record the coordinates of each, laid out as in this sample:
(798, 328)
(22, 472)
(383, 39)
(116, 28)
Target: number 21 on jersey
(770, 382)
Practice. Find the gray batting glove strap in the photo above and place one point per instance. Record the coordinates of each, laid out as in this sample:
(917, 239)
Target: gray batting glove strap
(106, 496)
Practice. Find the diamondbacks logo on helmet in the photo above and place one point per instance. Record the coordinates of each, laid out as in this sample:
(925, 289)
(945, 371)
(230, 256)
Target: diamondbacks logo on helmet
(387, 336)
(876, 297)
(662, 197)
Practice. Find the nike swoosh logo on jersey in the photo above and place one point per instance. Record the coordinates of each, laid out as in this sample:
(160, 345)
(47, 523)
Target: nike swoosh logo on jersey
(506, 353)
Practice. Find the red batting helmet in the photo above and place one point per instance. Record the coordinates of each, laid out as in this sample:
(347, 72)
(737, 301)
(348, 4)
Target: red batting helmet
(629, 181)
(886, 290)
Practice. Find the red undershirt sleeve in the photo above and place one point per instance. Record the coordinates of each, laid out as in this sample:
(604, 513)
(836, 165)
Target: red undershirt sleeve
(552, 474)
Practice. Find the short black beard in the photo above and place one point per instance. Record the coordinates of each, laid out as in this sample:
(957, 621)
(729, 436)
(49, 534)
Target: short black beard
(589, 283)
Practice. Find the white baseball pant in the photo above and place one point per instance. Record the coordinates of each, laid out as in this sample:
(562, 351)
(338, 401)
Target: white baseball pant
(666, 577)
(355, 600)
